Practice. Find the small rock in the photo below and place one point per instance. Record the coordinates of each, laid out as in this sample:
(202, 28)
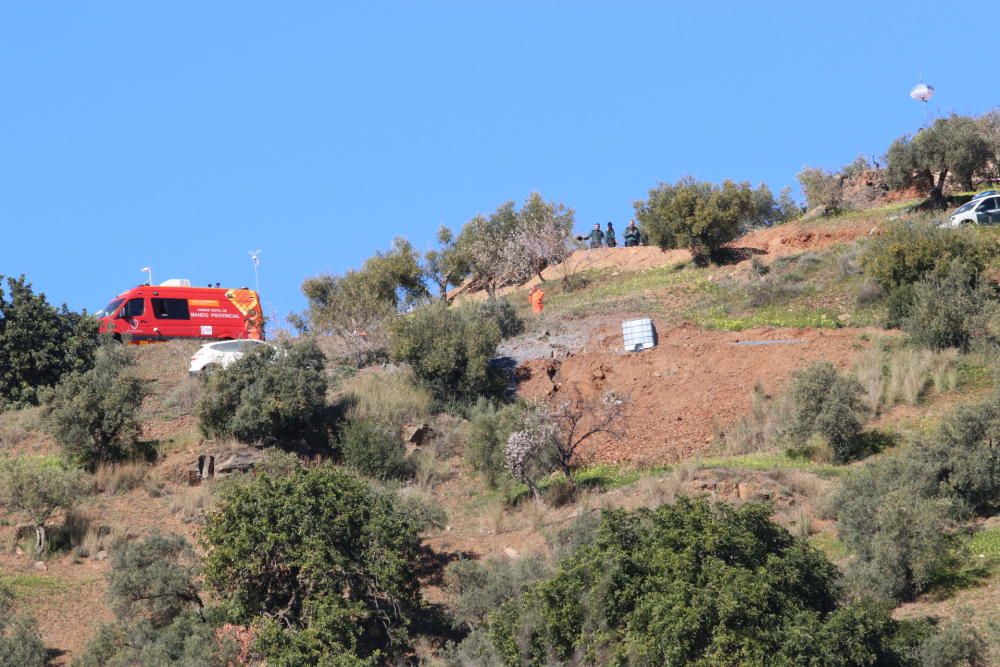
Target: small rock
(39, 565)
(101, 555)
(18, 551)
(511, 553)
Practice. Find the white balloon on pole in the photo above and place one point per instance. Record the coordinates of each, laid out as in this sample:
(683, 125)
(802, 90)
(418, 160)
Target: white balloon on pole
(922, 92)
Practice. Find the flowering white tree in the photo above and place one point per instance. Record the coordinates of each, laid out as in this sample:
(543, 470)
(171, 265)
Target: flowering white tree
(542, 237)
(553, 434)
(512, 245)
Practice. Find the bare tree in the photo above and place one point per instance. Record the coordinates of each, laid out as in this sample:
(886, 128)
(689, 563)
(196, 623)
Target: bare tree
(578, 419)
(553, 434)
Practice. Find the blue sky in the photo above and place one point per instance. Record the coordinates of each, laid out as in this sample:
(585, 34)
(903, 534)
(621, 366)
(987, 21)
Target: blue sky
(180, 135)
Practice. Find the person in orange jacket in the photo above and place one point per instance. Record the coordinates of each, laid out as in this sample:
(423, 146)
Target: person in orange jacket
(537, 299)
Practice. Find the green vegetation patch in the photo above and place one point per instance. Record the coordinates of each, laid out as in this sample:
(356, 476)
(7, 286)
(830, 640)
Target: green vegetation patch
(33, 585)
(790, 317)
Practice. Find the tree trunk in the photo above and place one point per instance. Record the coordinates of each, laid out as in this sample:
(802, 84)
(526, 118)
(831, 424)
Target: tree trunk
(40, 539)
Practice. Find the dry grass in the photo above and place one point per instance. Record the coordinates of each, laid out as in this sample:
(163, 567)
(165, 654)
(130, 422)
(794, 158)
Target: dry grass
(115, 478)
(182, 399)
(493, 517)
(192, 502)
(16, 426)
(390, 395)
(892, 375)
(761, 428)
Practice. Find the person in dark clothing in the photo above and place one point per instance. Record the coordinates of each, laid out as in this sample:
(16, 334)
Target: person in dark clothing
(632, 236)
(596, 237)
(609, 236)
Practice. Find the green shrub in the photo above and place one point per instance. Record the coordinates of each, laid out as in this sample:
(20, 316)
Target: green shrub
(39, 343)
(490, 427)
(955, 644)
(910, 544)
(906, 252)
(20, 642)
(374, 448)
(947, 307)
(327, 554)
(187, 640)
(152, 588)
(94, 415)
(692, 583)
(504, 314)
(450, 350)
(696, 215)
(476, 588)
(268, 396)
(827, 404)
(153, 580)
(961, 460)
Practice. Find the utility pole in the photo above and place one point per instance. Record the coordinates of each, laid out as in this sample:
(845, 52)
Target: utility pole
(255, 258)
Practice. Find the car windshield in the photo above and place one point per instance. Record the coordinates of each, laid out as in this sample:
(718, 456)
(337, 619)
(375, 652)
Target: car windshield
(109, 309)
(965, 207)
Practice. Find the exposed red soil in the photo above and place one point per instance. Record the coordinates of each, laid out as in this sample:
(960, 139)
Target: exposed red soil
(788, 239)
(681, 392)
(796, 237)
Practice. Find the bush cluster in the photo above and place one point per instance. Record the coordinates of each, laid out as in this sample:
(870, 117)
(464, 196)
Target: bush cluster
(947, 308)
(321, 562)
(899, 514)
(374, 448)
(268, 396)
(690, 583)
(20, 642)
(504, 314)
(450, 351)
(39, 343)
(152, 588)
(697, 215)
(930, 278)
(489, 429)
(827, 404)
(94, 414)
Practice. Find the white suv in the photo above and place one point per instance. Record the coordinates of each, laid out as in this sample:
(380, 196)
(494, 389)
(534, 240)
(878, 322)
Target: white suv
(979, 211)
(221, 353)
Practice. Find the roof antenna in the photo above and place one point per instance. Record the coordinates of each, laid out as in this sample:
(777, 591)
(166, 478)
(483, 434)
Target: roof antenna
(149, 274)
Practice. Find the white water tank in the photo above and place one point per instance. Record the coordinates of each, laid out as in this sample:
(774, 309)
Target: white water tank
(176, 282)
(638, 334)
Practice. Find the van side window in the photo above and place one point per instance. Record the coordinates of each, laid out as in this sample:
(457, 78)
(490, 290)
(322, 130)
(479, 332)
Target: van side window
(135, 308)
(170, 309)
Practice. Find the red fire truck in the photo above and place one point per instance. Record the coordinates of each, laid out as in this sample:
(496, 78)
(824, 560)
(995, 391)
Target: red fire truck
(175, 309)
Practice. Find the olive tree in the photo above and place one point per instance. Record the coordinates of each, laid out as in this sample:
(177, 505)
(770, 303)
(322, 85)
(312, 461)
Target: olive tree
(94, 415)
(37, 488)
(701, 216)
(951, 147)
(357, 306)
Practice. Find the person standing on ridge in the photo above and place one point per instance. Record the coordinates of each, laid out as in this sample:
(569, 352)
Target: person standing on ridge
(596, 237)
(610, 236)
(631, 235)
(537, 299)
